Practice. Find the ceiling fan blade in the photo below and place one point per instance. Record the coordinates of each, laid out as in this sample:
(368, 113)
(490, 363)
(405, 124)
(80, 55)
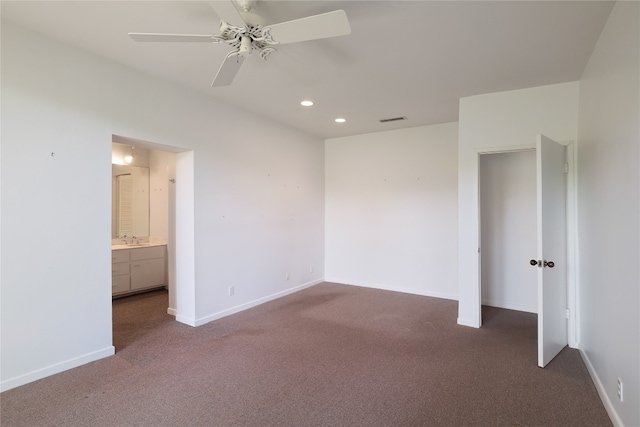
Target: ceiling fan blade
(181, 38)
(228, 70)
(325, 25)
(227, 11)
(293, 68)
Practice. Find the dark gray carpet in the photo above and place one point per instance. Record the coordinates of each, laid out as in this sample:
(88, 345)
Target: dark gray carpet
(331, 355)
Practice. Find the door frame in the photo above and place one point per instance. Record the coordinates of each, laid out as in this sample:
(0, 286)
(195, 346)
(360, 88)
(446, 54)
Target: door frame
(181, 241)
(572, 271)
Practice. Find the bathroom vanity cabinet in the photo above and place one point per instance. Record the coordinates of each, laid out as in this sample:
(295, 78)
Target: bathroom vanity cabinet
(135, 269)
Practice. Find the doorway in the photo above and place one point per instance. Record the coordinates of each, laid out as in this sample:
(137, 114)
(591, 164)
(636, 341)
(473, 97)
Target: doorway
(508, 230)
(552, 159)
(174, 187)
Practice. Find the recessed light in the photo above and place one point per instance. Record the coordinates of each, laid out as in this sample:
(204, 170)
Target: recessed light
(340, 120)
(306, 103)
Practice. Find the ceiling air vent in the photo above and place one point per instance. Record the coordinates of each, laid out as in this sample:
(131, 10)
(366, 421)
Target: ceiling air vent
(392, 119)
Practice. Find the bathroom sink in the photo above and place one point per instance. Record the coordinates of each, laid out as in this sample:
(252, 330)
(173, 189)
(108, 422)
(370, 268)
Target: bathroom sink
(133, 245)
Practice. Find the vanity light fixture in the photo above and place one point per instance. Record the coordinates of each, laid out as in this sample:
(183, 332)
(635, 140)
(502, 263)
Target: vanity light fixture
(340, 120)
(129, 157)
(306, 103)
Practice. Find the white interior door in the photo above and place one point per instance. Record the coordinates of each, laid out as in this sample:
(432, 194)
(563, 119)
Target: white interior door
(552, 249)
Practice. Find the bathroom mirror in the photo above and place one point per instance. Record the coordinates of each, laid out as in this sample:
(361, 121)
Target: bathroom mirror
(130, 201)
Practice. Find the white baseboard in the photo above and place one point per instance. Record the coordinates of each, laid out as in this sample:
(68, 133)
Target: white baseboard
(56, 368)
(190, 321)
(202, 320)
(510, 306)
(172, 311)
(611, 410)
(461, 321)
(420, 292)
(468, 322)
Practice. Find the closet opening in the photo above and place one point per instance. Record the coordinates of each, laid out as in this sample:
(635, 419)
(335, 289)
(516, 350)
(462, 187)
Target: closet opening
(508, 230)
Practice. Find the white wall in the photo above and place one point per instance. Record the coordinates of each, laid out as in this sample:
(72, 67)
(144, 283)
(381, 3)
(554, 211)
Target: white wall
(609, 212)
(508, 230)
(258, 190)
(391, 210)
(501, 121)
(160, 163)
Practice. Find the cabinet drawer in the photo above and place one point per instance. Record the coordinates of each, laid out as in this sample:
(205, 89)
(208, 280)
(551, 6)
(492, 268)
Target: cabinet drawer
(119, 269)
(120, 284)
(147, 253)
(120, 256)
(147, 273)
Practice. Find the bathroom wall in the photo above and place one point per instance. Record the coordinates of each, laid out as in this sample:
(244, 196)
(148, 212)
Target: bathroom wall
(160, 164)
(120, 151)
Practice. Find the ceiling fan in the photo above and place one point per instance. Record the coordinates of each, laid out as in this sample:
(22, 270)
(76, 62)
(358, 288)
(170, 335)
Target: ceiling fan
(246, 31)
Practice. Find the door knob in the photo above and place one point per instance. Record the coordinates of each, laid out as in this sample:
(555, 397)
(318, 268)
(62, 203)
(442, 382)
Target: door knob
(534, 262)
(549, 264)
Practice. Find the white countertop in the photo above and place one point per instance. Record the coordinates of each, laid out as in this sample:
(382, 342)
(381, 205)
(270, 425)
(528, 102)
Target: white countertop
(133, 246)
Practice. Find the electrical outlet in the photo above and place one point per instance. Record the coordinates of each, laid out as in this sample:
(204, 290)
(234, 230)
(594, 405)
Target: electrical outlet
(232, 290)
(288, 276)
(311, 269)
(620, 390)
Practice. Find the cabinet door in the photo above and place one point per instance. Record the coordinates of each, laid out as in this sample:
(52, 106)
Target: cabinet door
(147, 273)
(120, 284)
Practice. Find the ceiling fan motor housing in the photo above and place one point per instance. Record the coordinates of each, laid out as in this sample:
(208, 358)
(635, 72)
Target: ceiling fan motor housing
(245, 39)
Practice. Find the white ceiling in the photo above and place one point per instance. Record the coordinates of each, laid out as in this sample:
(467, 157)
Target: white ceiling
(403, 58)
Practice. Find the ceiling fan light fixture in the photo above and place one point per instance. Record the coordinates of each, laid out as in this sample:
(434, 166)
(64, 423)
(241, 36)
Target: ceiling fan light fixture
(245, 45)
(306, 103)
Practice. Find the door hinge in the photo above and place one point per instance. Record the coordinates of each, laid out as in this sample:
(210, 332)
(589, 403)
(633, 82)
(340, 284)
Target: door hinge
(568, 314)
(566, 168)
